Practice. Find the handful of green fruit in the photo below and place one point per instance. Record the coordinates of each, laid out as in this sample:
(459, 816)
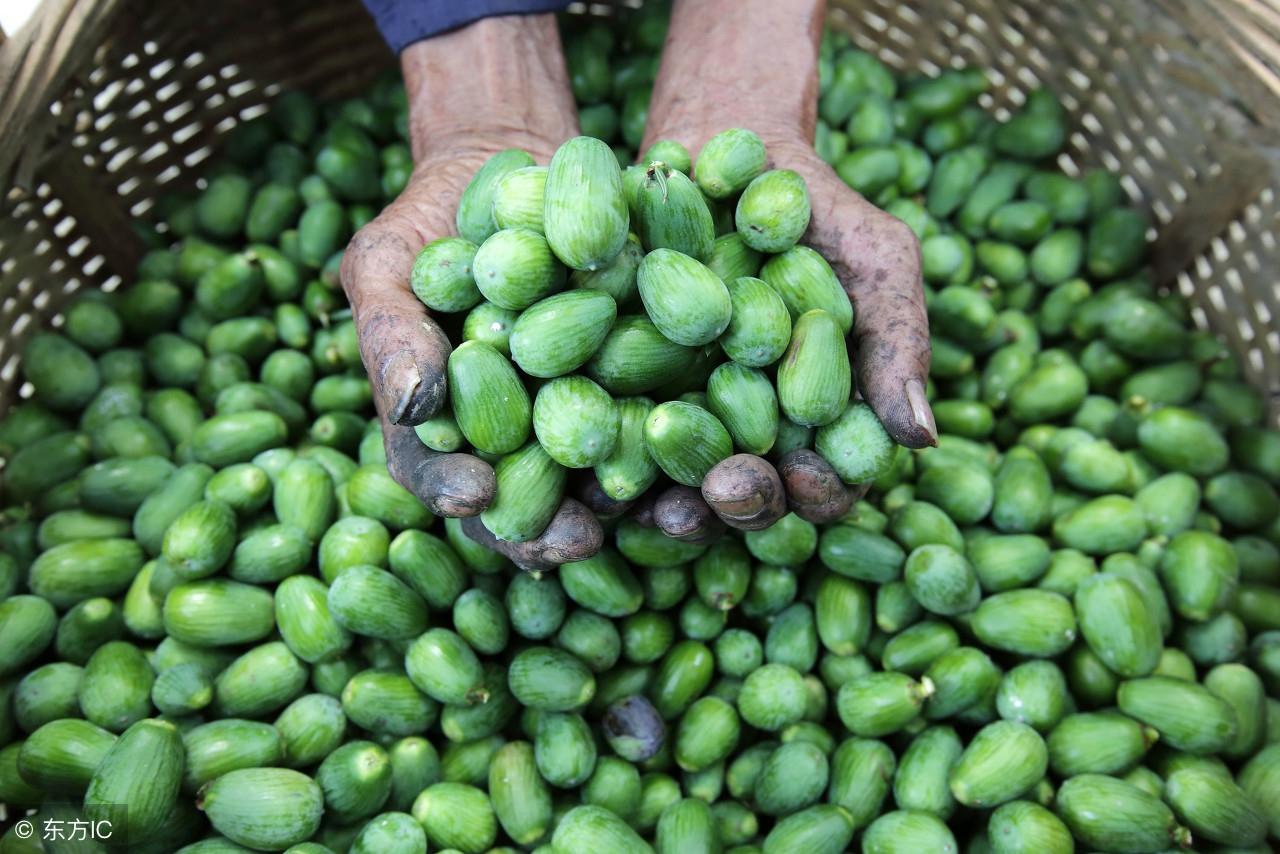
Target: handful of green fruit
(552, 281)
(1058, 630)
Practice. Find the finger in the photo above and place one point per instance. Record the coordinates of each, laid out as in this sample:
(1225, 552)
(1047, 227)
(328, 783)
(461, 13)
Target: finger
(448, 484)
(574, 534)
(891, 326)
(683, 514)
(404, 351)
(814, 490)
(591, 493)
(745, 492)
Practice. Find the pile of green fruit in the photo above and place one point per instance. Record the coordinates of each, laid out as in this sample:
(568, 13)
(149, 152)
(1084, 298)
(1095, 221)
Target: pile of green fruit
(224, 627)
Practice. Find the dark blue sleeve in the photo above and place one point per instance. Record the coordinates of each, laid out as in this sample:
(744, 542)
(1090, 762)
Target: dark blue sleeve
(404, 22)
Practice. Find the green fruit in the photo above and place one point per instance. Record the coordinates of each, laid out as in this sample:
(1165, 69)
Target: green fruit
(773, 211)
(585, 214)
(686, 301)
(814, 378)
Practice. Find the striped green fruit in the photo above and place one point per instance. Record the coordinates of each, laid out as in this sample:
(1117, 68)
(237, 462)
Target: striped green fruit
(115, 690)
(490, 325)
(590, 829)
(879, 704)
(441, 275)
(236, 437)
(686, 301)
(1187, 716)
(585, 213)
(564, 749)
(61, 756)
(489, 400)
(670, 213)
(1098, 743)
(1020, 826)
(744, 400)
(182, 690)
(618, 278)
(514, 268)
(444, 667)
(1118, 625)
(629, 469)
(1002, 761)
(218, 612)
(550, 680)
(518, 198)
(805, 281)
(904, 831)
(521, 800)
(635, 357)
(217, 747)
(687, 825)
(686, 441)
(559, 334)
(355, 780)
(304, 499)
(760, 325)
(855, 443)
(773, 211)
(84, 569)
(1109, 814)
(457, 816)
(822, 829)
(603, 584)
(707, 733)
(732, 259)
(475, 218)
(1026, 622)
(575, 421)
(142, 770)
(1215, 808)
(730, 161)
(814, 378)
(372, 492)
(245, 807)
(390, 833)
(529, 487)
(372, 602)
(258, 682)
(270, 554)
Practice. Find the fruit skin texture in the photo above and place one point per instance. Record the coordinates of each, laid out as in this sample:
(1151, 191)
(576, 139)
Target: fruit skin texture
(584, 212)
(685, 300)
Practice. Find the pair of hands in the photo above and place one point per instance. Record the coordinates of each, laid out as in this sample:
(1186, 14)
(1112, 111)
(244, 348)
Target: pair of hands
(514, 69)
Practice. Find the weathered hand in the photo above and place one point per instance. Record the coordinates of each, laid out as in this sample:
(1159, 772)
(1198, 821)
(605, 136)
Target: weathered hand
(494, 85)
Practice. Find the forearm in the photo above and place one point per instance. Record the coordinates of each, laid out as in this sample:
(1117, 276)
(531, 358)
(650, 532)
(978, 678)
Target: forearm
(499, 81)
(740, 63)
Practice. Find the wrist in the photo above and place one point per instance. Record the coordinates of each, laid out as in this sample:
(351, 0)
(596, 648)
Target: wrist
(497, 83)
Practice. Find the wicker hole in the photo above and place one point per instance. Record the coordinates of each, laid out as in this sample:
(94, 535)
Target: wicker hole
(26, 391)
(1232, 277)
(168, 174)
(129, 61)
(1028, 77)
(21, 323)
(1272, 340)
(197, 156)
(214, 101)
(1267, 196)
(129, 185)
(226, 72)
(1263, 312)
(1255, 359)
(133, 87)
(76, 249)
(112, 284)
(1219, 249)
(193, 59)
(243, 87)
(1068, 165)
(62, 228)
(1161, 210)
(1199, 317)
(168, 90)
(1204, 269)
(206, 82)
(120, 158)
(1250, 259)
(1090, 122)
(185, 132)
(10, 369)
(161, 68)
(1268, 240)
(41, 301)
(177, 111)
(1177, 191)
(93, 265)
(1131, 187)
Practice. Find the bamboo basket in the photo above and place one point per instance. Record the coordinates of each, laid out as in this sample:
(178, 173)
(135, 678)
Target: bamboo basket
(106, 104)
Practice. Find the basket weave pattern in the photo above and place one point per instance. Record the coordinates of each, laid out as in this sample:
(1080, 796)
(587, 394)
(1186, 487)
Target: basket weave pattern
(106, 104)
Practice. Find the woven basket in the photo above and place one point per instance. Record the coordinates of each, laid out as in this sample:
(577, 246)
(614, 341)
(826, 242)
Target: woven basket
(105, 104)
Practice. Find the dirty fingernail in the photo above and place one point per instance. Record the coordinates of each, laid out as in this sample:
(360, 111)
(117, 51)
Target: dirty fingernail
(400, 377)
(920, 410)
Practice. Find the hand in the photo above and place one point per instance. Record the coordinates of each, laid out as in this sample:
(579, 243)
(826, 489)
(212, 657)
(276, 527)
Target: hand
(499, 83)
(876, 256)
